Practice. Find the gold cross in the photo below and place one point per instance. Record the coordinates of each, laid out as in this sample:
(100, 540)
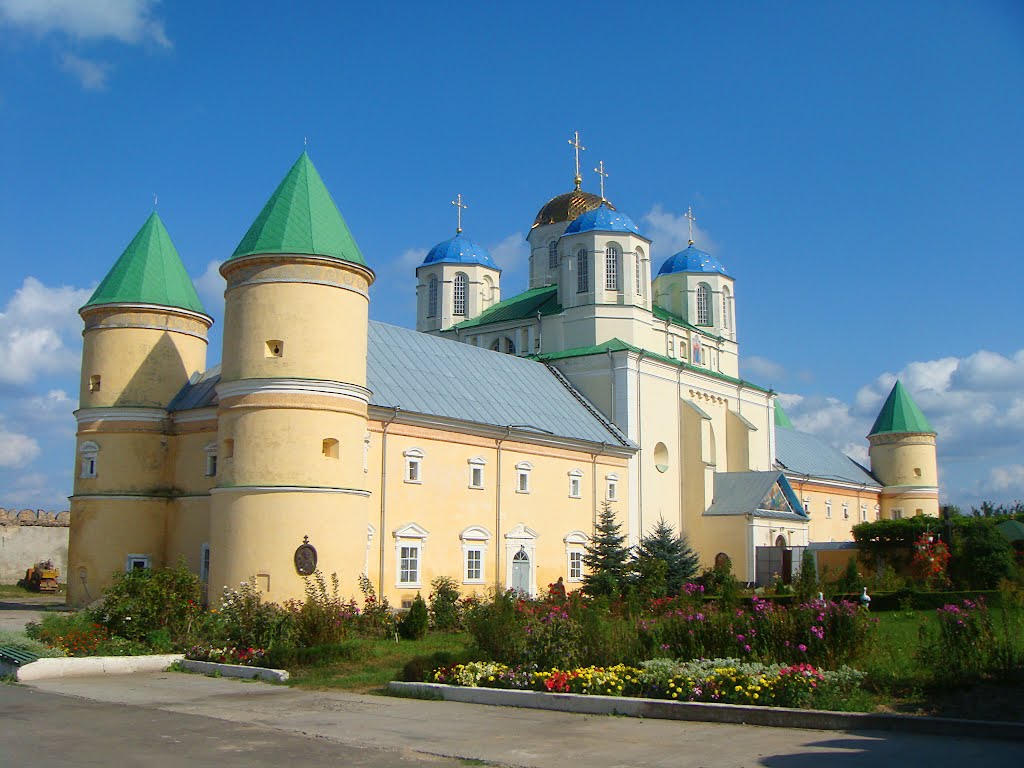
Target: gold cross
(155, 200)
(459, 205)
(689, 215)
(575, 143)
(600, 172)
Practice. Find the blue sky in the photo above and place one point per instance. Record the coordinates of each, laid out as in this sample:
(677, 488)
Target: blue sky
(858, 167)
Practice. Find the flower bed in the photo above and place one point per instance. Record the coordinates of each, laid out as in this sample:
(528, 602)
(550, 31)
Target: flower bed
(725, 681)
(246, 657)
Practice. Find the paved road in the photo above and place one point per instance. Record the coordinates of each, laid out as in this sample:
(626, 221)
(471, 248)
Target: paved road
(15, 612)
(151, 712)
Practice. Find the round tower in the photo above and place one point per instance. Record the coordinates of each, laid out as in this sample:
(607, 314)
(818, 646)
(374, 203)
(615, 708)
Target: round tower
(145, 336)
(902, 451)
(291, 488)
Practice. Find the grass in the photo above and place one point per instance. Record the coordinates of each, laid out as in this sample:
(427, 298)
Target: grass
(13, 590)
(372, 663)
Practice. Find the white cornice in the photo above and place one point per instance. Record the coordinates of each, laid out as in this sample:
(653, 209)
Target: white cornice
(200, 316)
(195, 414)
(247, 489)
(89, 415)
(901, 490)
(321, 387)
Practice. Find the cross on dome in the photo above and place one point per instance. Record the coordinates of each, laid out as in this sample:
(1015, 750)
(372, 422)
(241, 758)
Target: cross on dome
(601, 172)
(459, 206)
(574, 142)
(689, 215)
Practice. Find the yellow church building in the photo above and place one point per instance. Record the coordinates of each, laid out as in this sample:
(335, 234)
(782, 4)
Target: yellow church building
(479, 446)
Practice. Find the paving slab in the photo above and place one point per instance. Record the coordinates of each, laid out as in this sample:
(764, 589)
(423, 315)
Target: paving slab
(521, 737)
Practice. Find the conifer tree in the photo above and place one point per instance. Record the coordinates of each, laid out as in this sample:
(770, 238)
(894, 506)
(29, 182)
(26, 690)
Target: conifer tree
(606, 556)
(662, 543)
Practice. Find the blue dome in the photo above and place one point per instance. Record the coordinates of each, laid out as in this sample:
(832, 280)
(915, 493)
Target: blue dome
(693, 259)
(602, 219)
(459, 250)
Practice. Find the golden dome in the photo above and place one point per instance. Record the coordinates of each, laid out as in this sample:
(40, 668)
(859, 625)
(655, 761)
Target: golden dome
(567, 207)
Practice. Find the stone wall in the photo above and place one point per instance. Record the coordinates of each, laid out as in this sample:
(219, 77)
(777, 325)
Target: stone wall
(28, 536)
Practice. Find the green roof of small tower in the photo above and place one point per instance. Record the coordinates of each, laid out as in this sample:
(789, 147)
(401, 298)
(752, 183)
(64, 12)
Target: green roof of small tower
(149, 272)
(900, 414)
(301, 217)
(781, 419)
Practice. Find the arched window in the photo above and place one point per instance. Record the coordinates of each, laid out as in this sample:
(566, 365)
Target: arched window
(510, 346)
(639, 272)
(611, 268)
(703, 304)
(553, 254)
(496, 345)
(432, 298)
(89, 452)
(726, 300)
(487, 294)
(459, 294)
(582, 278)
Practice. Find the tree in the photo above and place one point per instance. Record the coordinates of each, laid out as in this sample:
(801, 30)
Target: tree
(606, 556)
(981, 556)
(662, 543)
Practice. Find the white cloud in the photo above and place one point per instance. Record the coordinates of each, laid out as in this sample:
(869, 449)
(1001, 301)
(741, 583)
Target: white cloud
(92, 75)
(512, 255)
(40, 331)
(128, 21)
(1008, 478)
(762, 368)
(54, 406)
(37, 491)
(16, 450)
(210, 286)
(670, 232)
(409, 259)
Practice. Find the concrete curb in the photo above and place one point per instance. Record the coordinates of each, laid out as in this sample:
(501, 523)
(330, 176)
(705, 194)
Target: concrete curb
(87, 666)
(234, 670)
(740, 714)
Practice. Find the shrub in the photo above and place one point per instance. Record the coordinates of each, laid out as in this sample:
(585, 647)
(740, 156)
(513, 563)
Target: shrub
(606, 556)
(290, 656)
(118, 646)
(247, 657)
(323, 618)
(444, 603)
(376, 620)
(413, 625)
(982, 556)
(497, 627)
(807, 585)
(22, 642)
(74, 634)
(248, 622)
(959, 648)
(663, 545)
(144, 601)
(419, 668)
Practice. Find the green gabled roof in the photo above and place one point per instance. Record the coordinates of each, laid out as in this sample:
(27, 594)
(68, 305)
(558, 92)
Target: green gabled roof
(149, 272)
(618, 345)
(781, 419)
(900, 414)
(519, 307)
(301, 217)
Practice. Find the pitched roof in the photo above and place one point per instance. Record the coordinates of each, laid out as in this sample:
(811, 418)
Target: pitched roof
(301, 217)
(900, 414)
(781, 419)
(519, 307)
(439, 377)
(801, 453)
(1013, 530)
(148, 272)
(741, 493)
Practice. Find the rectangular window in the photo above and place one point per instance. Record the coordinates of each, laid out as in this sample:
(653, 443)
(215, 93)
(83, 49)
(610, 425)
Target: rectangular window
(137, 563)
(412, 471)
(611, 268)
(613, 490)
(204, 563)
(828, 510)
(846, 511)
(523, 482)
(211, 464)
(897, 514)
(89, 466)
(409, 565)
(574, 487)
(474, 565)
(582, 278)
(863, 513)
(575, 566)
(94, 383)
(476, 477)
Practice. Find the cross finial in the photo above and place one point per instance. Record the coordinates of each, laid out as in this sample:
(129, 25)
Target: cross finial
(305, 141)
(155, 200)
(574, 142)
(601, 172)
(689, 215)
(459, 206)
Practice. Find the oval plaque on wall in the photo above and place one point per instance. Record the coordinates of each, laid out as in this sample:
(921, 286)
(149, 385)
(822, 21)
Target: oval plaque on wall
(305, 558)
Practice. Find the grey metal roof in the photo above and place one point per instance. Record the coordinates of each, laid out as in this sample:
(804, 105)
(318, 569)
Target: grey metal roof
(832, 545)
(437, 377)
(741, 493)
(805, 454)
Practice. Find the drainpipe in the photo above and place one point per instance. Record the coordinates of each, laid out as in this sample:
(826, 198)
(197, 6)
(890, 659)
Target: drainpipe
(497, 508)
(383, 497)
(540, 336)
(593, 472)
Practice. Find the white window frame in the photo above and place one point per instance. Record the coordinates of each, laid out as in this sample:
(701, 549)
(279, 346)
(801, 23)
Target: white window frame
(525, 538)
(460, 292)
(413, 466)
(576, 484)
(639, 254)
(553, 254)
(211, 459)
(612, 255)
(896, 513)
(523, 470)
(863, 513)
(846, 511)
(611, 487)
(575, 546)
(475, 539)
(130, 560)
(582, 271)
(704, 316)
(476, 465)
(414, 538)
(432, 296)
(828, 509)
(89, 451)
(807, 505)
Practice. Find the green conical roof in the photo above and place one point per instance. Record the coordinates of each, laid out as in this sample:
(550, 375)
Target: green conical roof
(900, 414)
(781, 419)
(301, 217)
(149, 272)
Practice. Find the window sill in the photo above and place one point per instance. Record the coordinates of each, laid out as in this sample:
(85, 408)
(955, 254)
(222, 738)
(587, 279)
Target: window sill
(525, 493)
(571, 580)
(577, 496)
(414, 482)
(476, 487)
(477, 582)
(410, 585)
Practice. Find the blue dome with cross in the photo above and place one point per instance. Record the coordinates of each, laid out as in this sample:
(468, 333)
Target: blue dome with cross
(692, 259)
(602, 219)
(459, 250)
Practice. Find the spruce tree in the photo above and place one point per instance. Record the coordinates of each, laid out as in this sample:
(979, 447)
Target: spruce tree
(662, 543)
(606, 556)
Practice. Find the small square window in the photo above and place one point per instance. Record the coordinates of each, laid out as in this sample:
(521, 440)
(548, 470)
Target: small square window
(275, 348)
(94, 383)
(137, 563)
(331, 448)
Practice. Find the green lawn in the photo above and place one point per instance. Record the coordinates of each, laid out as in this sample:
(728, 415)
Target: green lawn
(13, 590)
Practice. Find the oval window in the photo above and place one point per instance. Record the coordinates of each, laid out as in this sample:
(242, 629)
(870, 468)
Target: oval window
(661, 457)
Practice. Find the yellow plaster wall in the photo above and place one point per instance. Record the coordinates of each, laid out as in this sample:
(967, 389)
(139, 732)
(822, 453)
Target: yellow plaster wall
(836, 528)
(895, 459)
(129, 461)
